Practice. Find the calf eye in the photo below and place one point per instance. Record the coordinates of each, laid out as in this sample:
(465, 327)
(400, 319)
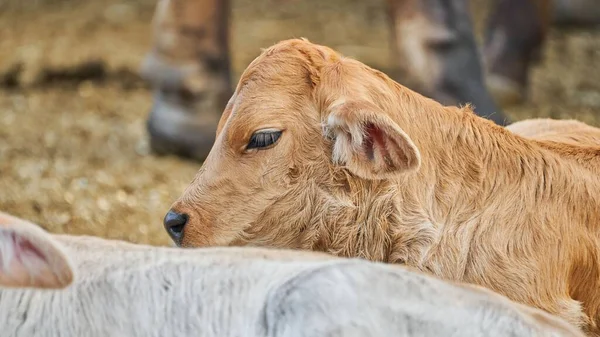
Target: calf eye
(263, 138)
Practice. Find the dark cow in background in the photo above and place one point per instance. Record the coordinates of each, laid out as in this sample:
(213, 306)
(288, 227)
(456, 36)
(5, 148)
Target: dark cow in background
(189, 65)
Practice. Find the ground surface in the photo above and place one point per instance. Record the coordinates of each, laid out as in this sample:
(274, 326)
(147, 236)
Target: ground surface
(73, 152)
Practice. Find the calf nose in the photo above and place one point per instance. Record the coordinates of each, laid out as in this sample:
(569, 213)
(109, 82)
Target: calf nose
(174, 223)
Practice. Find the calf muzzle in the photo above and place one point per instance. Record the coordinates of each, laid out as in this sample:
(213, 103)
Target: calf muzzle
(174, 224)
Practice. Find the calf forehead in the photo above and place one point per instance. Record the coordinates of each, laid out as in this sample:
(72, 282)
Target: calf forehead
(285, 73)
(268, 104)
(288, 71)
(280, 69)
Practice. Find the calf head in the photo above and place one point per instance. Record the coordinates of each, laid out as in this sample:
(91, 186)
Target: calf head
(301, 144)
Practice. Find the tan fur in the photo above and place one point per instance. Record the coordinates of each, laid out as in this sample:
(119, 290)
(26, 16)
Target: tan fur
(483, 205)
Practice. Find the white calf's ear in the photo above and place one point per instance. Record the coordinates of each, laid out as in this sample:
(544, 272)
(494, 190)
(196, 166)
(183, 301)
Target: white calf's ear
(30, 257)
(369, 143)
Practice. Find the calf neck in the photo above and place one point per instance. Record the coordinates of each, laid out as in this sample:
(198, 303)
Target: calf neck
(319, 152)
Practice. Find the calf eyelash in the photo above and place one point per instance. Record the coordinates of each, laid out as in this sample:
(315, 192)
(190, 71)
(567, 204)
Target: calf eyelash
(263, 139)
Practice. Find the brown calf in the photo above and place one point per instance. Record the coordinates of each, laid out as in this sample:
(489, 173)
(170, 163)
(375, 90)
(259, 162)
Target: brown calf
(320, 152)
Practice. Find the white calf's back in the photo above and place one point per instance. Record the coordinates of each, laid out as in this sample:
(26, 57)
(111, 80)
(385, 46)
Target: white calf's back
(122, 289)
(568, 131)
(400, 303)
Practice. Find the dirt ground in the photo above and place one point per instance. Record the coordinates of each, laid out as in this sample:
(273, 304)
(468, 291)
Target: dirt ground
(73, 150)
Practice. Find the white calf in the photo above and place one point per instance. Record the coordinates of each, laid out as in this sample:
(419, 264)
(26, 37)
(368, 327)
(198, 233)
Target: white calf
(114, 288)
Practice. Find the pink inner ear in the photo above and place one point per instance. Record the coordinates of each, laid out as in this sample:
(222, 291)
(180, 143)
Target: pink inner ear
(374, 138)
(24, 247)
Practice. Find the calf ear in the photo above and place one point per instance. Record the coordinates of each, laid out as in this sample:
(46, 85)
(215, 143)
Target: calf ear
(29, 257)
(369, 143)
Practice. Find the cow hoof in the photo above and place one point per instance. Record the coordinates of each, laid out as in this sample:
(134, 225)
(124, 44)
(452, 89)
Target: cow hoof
(182, 131)
(163, 144)
(505, 91)
(195, 148)
(188, 102)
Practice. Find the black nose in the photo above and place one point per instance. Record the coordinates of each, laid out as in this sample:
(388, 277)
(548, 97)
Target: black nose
(174, 223)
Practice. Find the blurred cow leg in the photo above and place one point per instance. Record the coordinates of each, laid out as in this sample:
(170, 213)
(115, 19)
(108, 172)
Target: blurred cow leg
(515, 33)
(188, 67)
(438, 55)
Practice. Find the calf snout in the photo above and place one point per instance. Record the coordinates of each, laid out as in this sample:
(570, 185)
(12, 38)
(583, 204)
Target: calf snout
(174, 224)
